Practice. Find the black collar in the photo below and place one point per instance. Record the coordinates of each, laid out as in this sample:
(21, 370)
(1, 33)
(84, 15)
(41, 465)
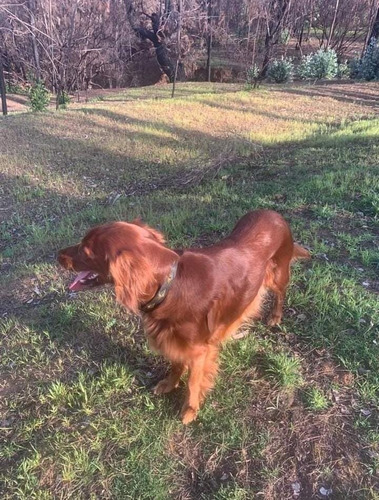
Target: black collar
(162, 291)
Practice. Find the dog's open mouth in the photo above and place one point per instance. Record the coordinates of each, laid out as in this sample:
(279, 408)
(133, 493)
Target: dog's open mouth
(83, 280)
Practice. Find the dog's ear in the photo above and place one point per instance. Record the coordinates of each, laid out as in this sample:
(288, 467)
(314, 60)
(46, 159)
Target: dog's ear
(153, 233)
(132, 276)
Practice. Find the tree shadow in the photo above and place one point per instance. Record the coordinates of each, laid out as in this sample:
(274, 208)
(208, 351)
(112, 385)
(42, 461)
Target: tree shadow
(97, 345)
(343, 94)
(123, 344)
(160, 92)
(112, 171)
(18, 98)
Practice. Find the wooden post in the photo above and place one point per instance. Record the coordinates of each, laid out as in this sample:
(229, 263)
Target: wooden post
(209, 40)
(2, 88)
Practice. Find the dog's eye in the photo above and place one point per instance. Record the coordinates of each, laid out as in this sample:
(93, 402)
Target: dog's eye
(87, 252)
(81, 253)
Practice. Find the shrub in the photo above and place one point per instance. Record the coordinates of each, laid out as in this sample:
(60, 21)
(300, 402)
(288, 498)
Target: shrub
(15, 88)
(285, 37)
(354, 66)
(343, 70)
(64, 99)
(321, 64)
(39, 97)
(368, 67)
(252, 74)
(281, 70)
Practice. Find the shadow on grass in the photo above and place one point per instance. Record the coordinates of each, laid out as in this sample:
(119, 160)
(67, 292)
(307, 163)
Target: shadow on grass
(85, 162)
(286, 168)
(340, 94)
(162, 92)
(50, 210)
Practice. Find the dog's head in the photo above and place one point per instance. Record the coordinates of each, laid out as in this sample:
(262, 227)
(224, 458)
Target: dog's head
(120, 253)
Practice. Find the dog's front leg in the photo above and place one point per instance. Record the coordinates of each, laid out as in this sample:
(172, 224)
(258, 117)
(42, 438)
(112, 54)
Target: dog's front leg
(172, 380)
(195, 381)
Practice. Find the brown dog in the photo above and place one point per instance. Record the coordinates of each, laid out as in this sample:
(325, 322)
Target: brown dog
(190, 301)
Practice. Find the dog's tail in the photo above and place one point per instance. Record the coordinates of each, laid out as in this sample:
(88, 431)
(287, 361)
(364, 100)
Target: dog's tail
(300, 253)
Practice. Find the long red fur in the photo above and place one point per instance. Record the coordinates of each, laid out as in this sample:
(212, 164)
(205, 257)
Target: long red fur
(215, 290)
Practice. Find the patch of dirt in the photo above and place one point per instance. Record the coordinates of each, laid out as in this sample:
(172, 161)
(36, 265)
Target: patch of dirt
(203, 475)
(17, 102)
(221, 75)
(352, 224)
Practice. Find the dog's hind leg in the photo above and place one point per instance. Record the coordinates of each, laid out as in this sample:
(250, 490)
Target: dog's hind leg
(277, 279)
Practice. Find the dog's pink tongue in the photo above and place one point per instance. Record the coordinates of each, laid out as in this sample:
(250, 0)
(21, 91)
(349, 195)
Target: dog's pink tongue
(76, 285)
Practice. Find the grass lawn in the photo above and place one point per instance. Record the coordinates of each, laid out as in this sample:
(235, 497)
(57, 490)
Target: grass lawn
(294, 413)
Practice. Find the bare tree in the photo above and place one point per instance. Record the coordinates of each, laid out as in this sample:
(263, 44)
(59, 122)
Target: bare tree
(66, 43)
(333, 24)
(78, 44)
(160, 29)
(31, 4)
(275, 18)
(375, 26)
(373, 22)
(340, 24)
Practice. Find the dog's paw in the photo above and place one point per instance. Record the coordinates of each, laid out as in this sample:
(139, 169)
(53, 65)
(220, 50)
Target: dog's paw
(274, 320)
(188, 415)
(164, 386)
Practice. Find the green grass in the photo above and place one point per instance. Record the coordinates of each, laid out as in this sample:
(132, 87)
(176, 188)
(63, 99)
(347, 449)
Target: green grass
(315, 399)
(283, 370)
(78, 418)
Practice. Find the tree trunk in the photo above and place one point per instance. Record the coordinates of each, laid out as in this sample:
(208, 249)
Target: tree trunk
(375, 27)
(256, 37)
(370, 27)
(209, 39)
(267, 54)
(333, 24)
(67, 85)
(164, 60)
(2, 88)
(248, 37)
(58, 98)
(300, 39)
(32, 8)
(179, 48)
(155, 37)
